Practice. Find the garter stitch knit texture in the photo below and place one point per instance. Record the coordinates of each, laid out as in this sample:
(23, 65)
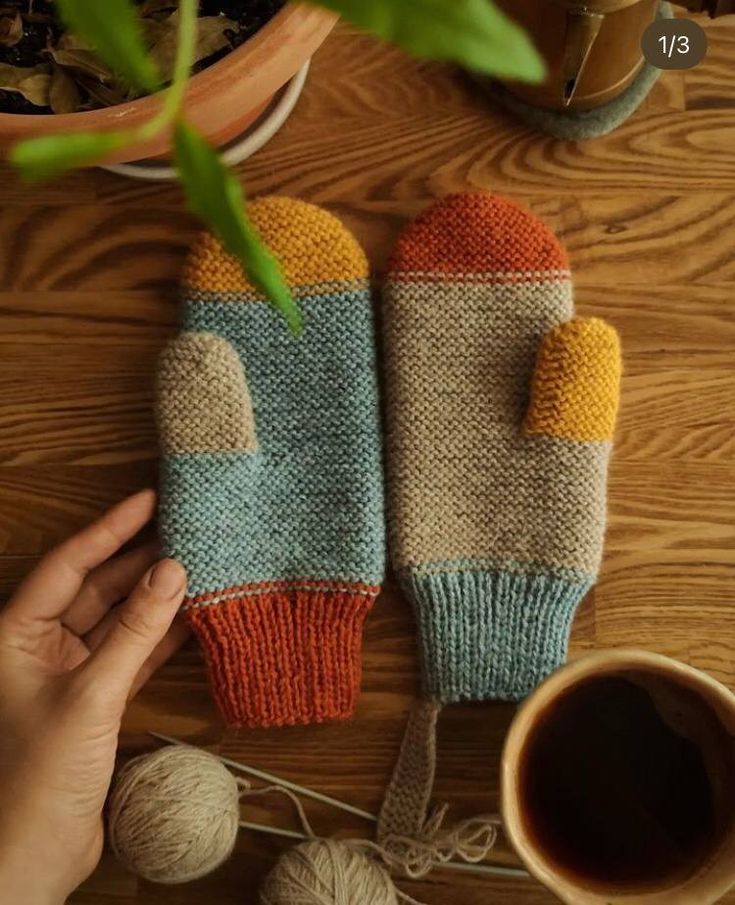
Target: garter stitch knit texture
(272, 493)
(497, 506)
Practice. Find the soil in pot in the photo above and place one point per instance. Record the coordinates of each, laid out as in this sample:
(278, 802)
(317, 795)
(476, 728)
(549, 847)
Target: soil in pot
(44, 69)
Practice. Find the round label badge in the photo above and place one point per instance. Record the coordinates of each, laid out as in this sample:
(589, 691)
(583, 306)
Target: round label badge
(674, 43)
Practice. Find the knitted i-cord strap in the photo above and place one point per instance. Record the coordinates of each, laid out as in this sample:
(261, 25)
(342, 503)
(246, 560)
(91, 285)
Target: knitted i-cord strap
(501, 410)
(272, 493)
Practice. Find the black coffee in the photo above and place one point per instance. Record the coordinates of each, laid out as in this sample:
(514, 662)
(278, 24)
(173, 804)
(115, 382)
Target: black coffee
(613, 793)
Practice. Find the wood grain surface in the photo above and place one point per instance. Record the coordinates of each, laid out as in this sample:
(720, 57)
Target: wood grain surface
(88, 271)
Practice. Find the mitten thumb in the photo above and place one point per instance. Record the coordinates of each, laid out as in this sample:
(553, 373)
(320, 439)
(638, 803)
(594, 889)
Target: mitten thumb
(203, 399)
(576, 384)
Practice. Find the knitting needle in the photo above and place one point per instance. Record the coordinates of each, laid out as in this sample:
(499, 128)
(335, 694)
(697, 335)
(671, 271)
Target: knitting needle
(268, 777)
(476, 868)
(451, 865)
(272, 830)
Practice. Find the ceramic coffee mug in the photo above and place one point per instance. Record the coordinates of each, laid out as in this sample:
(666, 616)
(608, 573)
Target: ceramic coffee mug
(618, 782)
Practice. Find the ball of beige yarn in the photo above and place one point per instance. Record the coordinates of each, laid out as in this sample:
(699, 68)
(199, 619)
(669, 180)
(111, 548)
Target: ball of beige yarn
(173, 815)
(327, 872)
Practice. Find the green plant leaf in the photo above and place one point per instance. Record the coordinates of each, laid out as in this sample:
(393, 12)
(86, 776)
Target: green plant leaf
(113, 28)
(48, 156)
(215, 195)
(474, 33)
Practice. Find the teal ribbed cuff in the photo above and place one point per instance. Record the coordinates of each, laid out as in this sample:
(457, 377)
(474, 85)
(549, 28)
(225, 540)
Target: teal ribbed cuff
(492, 635)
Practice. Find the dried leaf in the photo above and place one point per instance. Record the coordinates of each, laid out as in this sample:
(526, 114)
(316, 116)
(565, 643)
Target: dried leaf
(42, 18)
(104, 95)
(82, 61)
(150, 7)
(69, 41)
(11, 30)
(64, 95)
(113, 28)
(33, 82)
(211, 37)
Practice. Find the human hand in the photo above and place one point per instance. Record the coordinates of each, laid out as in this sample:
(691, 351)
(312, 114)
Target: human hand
(69, 661)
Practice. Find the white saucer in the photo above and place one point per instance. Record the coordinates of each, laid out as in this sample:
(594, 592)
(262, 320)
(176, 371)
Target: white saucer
(240, 148)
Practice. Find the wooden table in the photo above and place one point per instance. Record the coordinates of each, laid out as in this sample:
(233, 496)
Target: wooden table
(89, 270)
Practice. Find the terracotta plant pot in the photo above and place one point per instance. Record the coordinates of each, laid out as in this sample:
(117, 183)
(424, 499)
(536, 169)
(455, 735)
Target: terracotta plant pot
(222, 100)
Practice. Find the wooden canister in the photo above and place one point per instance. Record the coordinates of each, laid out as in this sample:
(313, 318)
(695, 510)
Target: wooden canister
(592, 49)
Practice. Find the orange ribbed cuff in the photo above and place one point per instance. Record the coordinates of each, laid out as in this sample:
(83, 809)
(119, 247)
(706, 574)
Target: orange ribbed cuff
(283, 654)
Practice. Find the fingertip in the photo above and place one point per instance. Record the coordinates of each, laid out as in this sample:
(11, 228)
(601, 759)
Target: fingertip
(134, 511)
(167, 579)
(145, 499)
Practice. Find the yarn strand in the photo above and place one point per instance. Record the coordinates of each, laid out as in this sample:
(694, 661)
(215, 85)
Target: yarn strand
(471, 840)
(415, 843)
(247, 791)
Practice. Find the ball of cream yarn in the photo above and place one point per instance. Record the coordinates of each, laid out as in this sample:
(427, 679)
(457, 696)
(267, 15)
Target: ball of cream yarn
(327, 872)
(173, 815)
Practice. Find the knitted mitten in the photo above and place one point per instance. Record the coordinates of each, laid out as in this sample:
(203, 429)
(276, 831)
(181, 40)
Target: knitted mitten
(501, 411)
(271, 487)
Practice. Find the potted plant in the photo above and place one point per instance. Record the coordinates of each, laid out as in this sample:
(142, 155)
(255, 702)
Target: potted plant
(171, 111)
(243, 59)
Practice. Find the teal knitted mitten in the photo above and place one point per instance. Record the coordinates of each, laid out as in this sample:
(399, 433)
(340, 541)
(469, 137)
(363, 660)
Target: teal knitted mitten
(272, 491)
